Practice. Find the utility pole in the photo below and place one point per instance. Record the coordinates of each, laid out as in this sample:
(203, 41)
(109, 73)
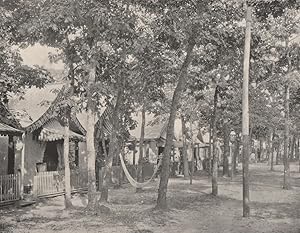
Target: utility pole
(245, 109)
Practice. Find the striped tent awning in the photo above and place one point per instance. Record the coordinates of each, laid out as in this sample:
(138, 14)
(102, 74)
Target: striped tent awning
(8, 130)
(105, 118)
(53, 131)
(104, 125)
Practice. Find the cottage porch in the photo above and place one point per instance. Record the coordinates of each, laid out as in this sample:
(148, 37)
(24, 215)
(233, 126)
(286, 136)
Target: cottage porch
(49, 177)
(10, 184)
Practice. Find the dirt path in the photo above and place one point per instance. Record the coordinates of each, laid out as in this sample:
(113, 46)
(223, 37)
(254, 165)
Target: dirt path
(192, 209)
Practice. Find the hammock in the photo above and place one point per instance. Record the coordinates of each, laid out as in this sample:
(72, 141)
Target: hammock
(131, 180)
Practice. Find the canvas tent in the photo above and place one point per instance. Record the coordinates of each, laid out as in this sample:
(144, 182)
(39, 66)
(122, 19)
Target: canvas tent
(37, 113)
(9, 132)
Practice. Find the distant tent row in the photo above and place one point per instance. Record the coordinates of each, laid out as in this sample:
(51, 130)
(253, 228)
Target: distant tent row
(32, 132)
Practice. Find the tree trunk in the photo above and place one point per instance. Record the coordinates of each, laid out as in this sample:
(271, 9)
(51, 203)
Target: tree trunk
(269, 146)
(261, 149)
(163, 184)
(192, 153)
(226, 150)
(209, 167)
(299, 164)
(278, 152)
(286, 173)
(184, 150)
(272, 152)
(245, 117)
(235, 155)
(297, 152)
(90, 141)
(104, 146)
(297, 148)
(134, 154)
(214, 180)
(114, 142)
(292, 155)
(141, 148)
(68, 203)
(11, 156)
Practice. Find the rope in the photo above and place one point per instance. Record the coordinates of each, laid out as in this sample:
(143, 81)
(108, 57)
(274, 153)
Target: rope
(131, 180)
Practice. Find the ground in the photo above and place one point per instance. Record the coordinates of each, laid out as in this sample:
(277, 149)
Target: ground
(192, 208)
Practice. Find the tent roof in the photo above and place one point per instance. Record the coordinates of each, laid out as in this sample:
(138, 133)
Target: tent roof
(154, 128)
(37, 107)
(8, 130)
(31, 106)
(53, 131)
(6, 117)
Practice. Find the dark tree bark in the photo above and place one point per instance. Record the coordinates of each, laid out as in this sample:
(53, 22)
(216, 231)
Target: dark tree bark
(11, 156)
(163, 184)
(286, 165)
(104, 146)
(140, 177)
(184, 150)
(269, 146)
(261, 149)
(226, 153)
(278, 152)
(235, 155)
(272, 151)
(114, 142)
(214, 182)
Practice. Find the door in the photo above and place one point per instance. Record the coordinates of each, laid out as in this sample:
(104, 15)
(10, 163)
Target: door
(51, 156)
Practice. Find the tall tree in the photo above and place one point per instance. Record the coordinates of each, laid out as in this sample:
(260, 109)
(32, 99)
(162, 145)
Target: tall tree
(245, 120)
(226, 153)
(162, 192)
(141, 148)
(215, 157)
(90, 143)
(184, 148)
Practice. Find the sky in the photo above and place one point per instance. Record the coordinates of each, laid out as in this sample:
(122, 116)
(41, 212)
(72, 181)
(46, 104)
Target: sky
(38, 55)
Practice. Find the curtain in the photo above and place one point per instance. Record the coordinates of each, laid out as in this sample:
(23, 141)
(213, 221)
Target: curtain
(60, 151)
(43, 147)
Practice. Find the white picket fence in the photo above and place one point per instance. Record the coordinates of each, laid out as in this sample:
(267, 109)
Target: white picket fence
(9, 188)
(52, 183)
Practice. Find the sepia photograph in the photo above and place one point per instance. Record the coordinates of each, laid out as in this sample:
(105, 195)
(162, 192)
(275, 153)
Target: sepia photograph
(149, 116)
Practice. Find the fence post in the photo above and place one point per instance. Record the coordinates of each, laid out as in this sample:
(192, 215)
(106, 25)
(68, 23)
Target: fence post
(19, 185)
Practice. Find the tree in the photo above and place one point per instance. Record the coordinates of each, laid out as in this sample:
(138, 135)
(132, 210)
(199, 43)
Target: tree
(92, 46)
(15, 76)
(214, 182)
(283, 48)
(178, 34)
(141, 148)
(245, 120)
(184, 148)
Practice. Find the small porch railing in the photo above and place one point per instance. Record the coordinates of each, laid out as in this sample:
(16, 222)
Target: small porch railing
(52, 182)
(47, 183)
(9, 188)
